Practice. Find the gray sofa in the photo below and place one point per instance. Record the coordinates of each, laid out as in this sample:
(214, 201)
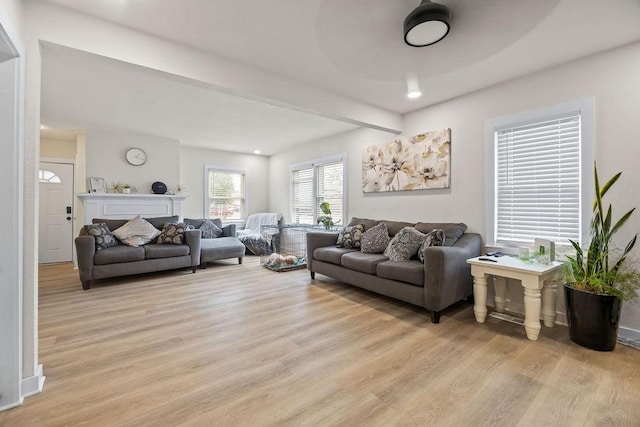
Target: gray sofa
(442, 280)
(123, 260)
(223, 247)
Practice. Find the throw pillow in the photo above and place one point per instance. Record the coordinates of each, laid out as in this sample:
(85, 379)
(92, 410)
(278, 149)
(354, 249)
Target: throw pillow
(173, 233)
(404, 245)
(209, 230)
(102, 234)
(350, 236)
(435, 237)
(375, 240)
(136, 232)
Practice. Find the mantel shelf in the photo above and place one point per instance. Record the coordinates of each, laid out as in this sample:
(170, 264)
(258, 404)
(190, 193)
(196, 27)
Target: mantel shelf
(125, 206)
(131, 195)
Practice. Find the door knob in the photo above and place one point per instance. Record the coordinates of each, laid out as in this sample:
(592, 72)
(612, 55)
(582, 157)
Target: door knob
(68, 218)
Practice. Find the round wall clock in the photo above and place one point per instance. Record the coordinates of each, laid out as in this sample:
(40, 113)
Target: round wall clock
(136, 157)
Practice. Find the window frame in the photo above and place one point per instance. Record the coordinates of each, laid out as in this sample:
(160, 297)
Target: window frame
(341, 158)
(214, 168)
(585, 108)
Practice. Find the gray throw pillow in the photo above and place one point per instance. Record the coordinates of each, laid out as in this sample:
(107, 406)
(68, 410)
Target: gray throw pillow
(404, 245)
(375, 240)
(102, 234)
(209, 230)
(350, 236)
(173, 233)
(435, 237)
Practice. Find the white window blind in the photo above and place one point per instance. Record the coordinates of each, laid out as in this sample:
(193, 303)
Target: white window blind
(225, 195)
(538, 182)
(314, 183)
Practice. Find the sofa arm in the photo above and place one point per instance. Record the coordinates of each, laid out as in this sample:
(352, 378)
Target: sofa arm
(192, 239)
(318, 240)
(448, 277)
(229, 231)
(85, 250)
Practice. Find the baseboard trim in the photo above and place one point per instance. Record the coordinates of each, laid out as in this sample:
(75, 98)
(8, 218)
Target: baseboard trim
(33, 385)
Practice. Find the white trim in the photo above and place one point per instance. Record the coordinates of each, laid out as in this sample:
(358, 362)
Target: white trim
(33, 385)
(585, 106)
(58, 160)
(315, 162)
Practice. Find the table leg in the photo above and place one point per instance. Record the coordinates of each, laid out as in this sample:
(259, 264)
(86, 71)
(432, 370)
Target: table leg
(549, 294)
(532, 305)
(480, 297)
(500, 287)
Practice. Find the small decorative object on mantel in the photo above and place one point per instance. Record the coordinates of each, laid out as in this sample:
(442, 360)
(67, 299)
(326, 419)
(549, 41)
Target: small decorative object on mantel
(420, 162)
(96, 185)
(126, 188)
(179, 189)
(159, 187)
(115, 187)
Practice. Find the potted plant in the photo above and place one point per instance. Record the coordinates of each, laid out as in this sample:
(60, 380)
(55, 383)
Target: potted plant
(599, 280)
(326, 219)
(126, 188)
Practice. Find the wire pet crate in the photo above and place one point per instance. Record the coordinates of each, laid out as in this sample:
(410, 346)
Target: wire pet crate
(285, 247)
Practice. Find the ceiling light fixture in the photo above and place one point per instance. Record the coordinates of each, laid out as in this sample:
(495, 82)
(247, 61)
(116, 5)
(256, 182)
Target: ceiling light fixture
(414, 94)
(427, 24)
(257, 151)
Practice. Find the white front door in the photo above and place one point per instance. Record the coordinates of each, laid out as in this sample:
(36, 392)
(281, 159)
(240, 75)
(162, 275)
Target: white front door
(56, 212)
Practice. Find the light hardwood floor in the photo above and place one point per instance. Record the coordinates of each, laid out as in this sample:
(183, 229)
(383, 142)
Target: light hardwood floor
(241, 345)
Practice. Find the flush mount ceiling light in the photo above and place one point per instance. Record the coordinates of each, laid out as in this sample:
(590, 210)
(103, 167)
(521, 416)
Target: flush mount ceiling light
(427, 24)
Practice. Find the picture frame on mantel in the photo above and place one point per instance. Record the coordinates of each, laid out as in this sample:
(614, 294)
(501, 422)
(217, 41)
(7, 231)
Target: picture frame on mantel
(96, 185)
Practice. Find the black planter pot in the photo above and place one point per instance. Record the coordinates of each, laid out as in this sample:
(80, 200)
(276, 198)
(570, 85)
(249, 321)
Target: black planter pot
(593, 319)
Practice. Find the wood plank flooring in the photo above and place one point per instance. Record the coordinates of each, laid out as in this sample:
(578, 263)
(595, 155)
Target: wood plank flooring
(242, 345)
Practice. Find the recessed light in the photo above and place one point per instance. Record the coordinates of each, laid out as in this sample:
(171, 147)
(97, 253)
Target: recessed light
(414, 94)
(257, 151)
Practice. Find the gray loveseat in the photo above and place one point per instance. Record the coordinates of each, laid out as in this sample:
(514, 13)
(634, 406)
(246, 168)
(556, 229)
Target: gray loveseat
(123, 260)
(442, 280)
(227, 245)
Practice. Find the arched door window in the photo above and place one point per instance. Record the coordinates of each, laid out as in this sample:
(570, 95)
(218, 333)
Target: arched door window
(48, 176)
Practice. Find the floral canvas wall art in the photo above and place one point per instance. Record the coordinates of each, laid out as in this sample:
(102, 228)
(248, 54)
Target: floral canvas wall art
(420, 162)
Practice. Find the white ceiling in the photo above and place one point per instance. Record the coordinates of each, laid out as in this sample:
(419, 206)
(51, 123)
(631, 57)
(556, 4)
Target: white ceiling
(353, 48)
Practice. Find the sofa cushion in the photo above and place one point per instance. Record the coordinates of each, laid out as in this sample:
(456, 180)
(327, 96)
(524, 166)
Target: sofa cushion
(136, 232)
(350, 236)
(102, 235)
(394, 227)
(157, 222)
(367, 223)
(403, 271)
(405, 244)
(172, 234)
(331, 254)
(375, 240)
(117, 254)
(435, 237)
(221, 248)
(364, 263)
(452, 231)
(209, 229)
(165, 251)
(197, 222)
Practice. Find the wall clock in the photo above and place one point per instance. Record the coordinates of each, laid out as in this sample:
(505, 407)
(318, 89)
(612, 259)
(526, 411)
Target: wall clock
(136, 157)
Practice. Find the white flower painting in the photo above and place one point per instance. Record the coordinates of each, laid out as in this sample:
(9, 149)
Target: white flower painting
(420, 162)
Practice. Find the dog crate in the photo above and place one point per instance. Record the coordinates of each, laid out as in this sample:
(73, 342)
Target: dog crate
(285, 246)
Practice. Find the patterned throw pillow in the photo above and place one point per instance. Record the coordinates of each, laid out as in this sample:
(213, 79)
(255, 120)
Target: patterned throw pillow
(350, 236)
(209, 230)
(102, 234)
(136, 232)
(375, 240)
(173, 233)
(404, 245)
(434, 238)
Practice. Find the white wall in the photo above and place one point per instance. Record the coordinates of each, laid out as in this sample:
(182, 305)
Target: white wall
(612, 78)
(192, 162)
(106, 151)
(58, 148)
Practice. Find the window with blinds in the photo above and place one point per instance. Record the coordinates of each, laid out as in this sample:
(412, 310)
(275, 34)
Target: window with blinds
(314, 183)
(538, 181)
(225, 192)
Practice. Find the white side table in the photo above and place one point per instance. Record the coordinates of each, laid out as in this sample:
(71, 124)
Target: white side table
(538, 281)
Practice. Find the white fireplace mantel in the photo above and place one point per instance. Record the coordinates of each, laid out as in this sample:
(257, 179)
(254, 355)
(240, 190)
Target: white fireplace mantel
(126, 206)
